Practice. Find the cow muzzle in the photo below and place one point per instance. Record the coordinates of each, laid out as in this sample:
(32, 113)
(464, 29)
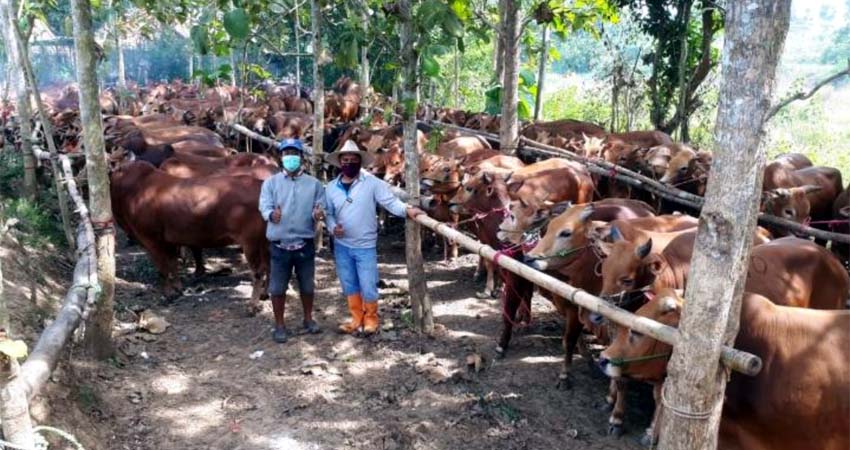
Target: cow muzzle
(535, 263)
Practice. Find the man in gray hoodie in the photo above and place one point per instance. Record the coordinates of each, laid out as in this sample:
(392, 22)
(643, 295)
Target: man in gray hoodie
(291, 202)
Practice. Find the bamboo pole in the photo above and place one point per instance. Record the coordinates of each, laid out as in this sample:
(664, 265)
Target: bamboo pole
(35, 371)
(737, 360)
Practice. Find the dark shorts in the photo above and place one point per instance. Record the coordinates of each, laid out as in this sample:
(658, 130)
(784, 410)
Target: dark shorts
(283, 262)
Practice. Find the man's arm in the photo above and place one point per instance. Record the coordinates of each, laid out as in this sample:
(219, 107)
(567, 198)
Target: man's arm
(330, 213)
(385, 197)
(266, 200)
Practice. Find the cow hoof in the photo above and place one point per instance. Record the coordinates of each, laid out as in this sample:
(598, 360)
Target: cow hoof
(253, 309)
(483, 295)
(500, 352)
(494, 293)
(565, 383)
(478, 277)
(264, 296)
(647, 440)
(615, 430)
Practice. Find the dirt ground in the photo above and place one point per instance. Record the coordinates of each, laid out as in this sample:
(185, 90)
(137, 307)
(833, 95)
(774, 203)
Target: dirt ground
(216, 380)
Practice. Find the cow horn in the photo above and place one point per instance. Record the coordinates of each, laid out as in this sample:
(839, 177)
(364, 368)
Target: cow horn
(615, 234)
(810, 188)
(782, 192)
(643, 250)
(586, 213)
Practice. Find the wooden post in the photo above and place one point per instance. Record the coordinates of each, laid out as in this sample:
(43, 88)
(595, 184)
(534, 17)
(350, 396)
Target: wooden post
(32, 87)
(420, 302)
(541, 71)
(297, 28)
(318, 105)
(99, 333)
(17, 78)
(456, 79)
(685, 12)
(693, 392)
(509, 126)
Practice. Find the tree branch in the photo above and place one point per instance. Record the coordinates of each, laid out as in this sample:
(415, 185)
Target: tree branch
(802, 95)
(483, 18)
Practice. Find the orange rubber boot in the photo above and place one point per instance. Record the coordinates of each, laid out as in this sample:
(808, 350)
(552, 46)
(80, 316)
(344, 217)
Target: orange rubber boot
(371, 321)
(355, 307)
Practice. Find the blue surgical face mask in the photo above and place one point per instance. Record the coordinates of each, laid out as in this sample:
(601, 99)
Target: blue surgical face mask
(291, 162)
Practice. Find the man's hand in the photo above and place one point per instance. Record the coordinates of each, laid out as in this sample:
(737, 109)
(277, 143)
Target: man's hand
(275, 217)
(338, 231)
(413, 211)
(318, 213)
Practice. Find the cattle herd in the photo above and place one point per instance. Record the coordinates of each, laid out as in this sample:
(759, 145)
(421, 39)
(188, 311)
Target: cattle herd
(182, 178)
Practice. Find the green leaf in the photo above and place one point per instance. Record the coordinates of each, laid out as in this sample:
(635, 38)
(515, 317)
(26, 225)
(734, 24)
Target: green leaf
(409, 107)
(200, 39)
(554, 54)
(236, 23)
(523, 110)
(452, 25)
(493, 100)
(526, 77)
(430, 66)
(13, 349)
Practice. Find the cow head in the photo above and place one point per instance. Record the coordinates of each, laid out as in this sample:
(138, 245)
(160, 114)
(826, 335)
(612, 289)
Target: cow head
(563, 236)
(486, 194)
(687, 165)
(593, 146)
(637, 356)
(792, 204)
(441, 172)
(393, 165)
(656, 160)
(524, 214)
(627, 265)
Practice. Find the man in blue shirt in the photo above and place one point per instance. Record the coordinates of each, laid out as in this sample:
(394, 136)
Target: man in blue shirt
(351, 200)
(291, 202)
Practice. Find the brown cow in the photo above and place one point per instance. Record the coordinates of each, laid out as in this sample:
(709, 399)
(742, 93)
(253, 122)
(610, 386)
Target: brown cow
(289, 124)
(800, 398)
(811, 189)
(164, 212)
(791, 271)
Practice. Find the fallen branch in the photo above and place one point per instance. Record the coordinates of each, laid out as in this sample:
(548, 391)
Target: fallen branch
(803, 95)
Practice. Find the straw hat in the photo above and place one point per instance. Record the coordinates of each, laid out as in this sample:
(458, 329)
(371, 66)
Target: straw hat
(348, 148)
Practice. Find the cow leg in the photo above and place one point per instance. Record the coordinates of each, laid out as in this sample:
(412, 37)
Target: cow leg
(198, 256)
(650, 438)
(258, 260)
(509, 309)
(164, 258)
(572, 331)
(382, 222)
(490, 284)
(480, 270)
(616, 398)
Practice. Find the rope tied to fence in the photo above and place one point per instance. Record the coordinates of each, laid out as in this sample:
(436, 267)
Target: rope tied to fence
(682, 412)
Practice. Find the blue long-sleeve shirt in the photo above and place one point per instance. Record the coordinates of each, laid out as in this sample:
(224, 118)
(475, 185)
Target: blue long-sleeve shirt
(355, 208)
(296, 198)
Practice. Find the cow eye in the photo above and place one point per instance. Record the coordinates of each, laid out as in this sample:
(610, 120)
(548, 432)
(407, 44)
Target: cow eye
(469, 189)
(565, 233)
(627, 281)
(634, 335)
(683, 168)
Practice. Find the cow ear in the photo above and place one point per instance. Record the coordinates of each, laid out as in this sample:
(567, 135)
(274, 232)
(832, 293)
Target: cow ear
(586, 213)
(810, 188)
(508, 177)
(513, 188)
(559, 208)
(656, 264)
(487, 178)
(642, 251)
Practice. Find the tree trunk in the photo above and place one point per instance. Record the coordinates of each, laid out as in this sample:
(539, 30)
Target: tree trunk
(47, 126)
(232, 68)
(456, 80)
(420, 302)
(509, 127)
(99, 332)
(122, 77)
(541, 71)
(365, 68)
(755, 33)
(191, 65)
(685, 6)
(297, 26)
(24, 111)
(499, 45)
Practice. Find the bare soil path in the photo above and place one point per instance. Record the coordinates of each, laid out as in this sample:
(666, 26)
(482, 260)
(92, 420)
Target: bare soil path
(216, 380)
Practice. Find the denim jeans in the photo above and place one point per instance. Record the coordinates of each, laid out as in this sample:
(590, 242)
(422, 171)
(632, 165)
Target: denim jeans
(357, 269)
(283, 262)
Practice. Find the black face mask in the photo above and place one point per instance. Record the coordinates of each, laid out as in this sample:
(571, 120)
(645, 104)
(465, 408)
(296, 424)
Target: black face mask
(350, 170)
